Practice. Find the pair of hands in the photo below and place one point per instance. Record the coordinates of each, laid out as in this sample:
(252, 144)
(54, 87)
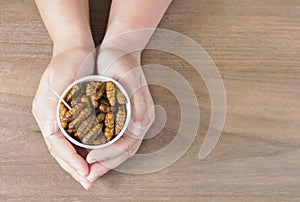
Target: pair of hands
(86, 166)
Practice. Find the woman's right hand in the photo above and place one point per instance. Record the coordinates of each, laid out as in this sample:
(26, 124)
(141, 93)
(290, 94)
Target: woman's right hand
(60, 73)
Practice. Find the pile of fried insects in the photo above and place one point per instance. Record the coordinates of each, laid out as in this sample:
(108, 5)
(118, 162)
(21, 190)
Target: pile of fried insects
(98, 112)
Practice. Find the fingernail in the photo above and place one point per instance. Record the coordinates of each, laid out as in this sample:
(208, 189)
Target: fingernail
(90, 159)
(81, 173)
(48, 128)
(137, 128)
(84, 185)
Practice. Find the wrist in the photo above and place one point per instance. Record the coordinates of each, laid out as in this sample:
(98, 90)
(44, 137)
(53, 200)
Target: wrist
(71, 42)
(128, 35)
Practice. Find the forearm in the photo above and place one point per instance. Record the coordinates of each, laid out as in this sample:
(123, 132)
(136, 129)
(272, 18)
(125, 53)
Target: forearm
(67, 22)
(127, 15)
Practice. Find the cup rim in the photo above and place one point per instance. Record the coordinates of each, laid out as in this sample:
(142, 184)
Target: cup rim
(102, 79)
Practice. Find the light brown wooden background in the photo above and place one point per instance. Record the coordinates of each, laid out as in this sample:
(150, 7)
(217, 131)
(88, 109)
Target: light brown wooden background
(256, 47)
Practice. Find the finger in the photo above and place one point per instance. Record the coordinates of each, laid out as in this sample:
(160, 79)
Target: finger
(49, 125)
(79, 178)
(125, 145)
(142, 113)
(98, 169)
(137, 114)
(150, 113)
(138, 106)
(65, 151)
(55, 85)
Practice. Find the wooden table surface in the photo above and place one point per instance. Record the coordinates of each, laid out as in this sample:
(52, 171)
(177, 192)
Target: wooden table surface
(256, 47)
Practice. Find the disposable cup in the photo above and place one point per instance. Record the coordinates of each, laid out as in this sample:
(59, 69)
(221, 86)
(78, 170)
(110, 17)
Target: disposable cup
(127, 105)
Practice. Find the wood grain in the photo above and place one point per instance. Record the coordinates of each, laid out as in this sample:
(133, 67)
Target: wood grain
(256, 47)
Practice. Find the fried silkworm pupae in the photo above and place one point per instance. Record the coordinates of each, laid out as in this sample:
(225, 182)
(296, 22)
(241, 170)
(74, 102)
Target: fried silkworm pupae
(110, 93)
(75, 91)
(80, 118)
(120, 97)
(97, 114)
(92, 134)
(72, 113)
(62, 111)
(120, 119)
(109, 125)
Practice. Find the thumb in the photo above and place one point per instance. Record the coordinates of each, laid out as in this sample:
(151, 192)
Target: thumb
(49, 123)
(138, 108)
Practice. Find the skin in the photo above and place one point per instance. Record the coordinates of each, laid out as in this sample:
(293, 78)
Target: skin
(67, 22)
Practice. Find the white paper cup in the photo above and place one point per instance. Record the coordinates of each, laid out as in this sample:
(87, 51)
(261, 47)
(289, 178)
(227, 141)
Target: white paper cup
(102, 79)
